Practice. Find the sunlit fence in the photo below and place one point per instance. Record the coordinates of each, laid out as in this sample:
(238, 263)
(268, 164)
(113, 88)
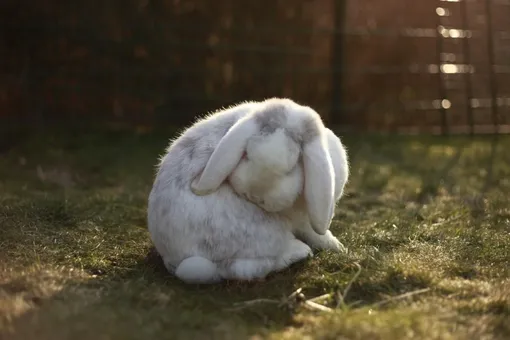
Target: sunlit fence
(436, 66)
(393, 65)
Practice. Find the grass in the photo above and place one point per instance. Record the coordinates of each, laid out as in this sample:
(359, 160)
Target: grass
(426, 221)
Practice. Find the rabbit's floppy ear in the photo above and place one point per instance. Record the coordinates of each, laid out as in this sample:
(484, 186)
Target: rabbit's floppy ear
(340, 162)
(319, 183)
(225, 157)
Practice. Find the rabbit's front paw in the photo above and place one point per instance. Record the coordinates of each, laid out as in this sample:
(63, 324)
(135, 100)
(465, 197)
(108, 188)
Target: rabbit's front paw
(322, 242)
(332, 243)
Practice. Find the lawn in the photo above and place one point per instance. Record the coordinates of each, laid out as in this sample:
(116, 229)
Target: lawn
(426, 221)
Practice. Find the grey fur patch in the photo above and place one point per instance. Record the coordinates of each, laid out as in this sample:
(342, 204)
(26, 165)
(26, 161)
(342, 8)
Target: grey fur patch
(188, 144)
(191, 151)
(310, 130)
(206, 247)
(274, 116)
(181, 181)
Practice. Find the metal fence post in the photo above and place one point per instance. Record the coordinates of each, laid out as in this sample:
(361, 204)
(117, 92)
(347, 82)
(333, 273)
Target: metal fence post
(492, 74)
(467, 61)
(337, 60)
(441, 86)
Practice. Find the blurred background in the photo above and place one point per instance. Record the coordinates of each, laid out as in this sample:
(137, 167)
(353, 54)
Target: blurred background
(433, 66)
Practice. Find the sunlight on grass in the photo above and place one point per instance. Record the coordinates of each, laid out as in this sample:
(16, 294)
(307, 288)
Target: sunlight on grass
(426, 221)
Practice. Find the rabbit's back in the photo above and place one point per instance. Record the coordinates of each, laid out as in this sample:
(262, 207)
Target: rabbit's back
(218, 226)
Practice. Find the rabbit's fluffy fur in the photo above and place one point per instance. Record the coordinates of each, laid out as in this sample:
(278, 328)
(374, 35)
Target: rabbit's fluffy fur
(247, 191)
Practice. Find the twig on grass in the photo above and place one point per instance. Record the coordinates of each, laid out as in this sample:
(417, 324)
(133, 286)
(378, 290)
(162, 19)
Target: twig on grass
(285, 301)
(297, 293)
(298, 297)
(342, 296)
(400, 297)
(249, 303)
(317, 306)
(321, 297)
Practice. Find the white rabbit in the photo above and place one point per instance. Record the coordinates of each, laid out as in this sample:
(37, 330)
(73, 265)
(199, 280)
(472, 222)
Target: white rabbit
(204, 230)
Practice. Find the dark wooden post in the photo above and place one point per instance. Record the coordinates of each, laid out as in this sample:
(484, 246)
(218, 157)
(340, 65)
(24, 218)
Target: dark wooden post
(340, 7)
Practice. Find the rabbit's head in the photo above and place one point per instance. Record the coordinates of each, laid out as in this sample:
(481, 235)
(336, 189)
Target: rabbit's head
(270, 173)
(272, 155)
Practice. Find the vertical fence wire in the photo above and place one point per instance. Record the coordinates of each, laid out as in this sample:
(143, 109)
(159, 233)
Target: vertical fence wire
(441, 85)
(467, 61)
(492, 74)
(338, 53)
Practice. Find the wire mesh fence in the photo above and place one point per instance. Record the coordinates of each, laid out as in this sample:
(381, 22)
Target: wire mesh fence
(440, 66)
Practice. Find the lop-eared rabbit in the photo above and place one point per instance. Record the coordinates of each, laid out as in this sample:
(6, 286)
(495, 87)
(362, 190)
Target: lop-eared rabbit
(247, 191)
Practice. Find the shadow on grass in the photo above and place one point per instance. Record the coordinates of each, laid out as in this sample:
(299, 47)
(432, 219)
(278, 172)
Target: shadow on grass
(144, 301)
